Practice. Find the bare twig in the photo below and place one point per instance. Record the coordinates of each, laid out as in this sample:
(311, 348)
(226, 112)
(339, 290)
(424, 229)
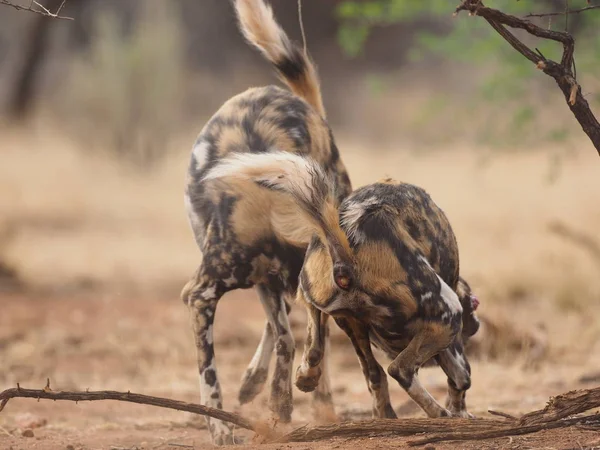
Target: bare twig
(78, 396)
(301, 22)
(502, 414)
(41, 9)
(562, 72)
(562, 13)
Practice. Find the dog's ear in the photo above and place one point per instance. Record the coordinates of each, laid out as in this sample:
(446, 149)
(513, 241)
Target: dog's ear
(463, 290)
(469, 303)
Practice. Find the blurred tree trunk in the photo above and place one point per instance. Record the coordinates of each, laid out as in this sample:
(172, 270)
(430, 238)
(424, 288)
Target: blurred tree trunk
(34, 51)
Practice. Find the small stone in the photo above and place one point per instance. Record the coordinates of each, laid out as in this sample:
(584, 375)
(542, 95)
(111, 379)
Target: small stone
(70, 447)
(27, 433)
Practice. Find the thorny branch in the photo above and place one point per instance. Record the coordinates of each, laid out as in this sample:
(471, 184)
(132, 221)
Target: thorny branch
(563, 72)
(38, 8)
(80, 396)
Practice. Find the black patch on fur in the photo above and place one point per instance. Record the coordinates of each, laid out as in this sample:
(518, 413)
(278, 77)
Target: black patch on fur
(210, 377)
(293, 67)
(256, 143)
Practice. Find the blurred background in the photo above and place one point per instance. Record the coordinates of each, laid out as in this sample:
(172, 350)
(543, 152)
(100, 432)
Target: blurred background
(97, 119)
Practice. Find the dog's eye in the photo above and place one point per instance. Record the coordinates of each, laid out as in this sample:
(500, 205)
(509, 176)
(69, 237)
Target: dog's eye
(343, 282)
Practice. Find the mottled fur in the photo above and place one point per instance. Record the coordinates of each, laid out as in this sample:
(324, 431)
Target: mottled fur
(385, 265)
(232, 222)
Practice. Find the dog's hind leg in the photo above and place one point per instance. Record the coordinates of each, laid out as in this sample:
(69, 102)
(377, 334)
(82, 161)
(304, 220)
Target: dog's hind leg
(275, 307)
(255, 377)
(201, 295)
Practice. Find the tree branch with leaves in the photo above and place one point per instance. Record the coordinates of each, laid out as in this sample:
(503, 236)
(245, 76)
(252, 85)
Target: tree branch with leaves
(506, 89)
(563, 72)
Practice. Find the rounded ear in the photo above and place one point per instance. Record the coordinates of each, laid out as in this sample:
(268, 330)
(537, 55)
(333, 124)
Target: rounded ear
(343, 276)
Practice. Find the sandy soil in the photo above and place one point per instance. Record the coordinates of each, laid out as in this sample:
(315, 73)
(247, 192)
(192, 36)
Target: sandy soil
(141, 344)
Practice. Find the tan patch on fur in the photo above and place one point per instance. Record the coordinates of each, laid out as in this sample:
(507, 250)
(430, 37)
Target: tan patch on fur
(319, 137)
(250, 217)
(406, 299)
(381, 273)
(231, 137)
(261, 266)
(290, 226)
(378, 264)
(331, 216)
(432, 331)
(185, 292)
(318, 267)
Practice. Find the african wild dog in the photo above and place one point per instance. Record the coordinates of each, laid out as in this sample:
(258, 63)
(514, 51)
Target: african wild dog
(232, 224)
(384, 264)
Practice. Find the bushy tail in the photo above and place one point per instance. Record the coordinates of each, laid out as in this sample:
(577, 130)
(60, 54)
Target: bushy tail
(314, 210)
(293, 65)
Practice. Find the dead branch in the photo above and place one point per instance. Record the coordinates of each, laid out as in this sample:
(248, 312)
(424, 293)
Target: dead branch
(583, 240)
(79, 396)
(384, 427)
(558, 408)
(502, 414)
(550, 417)
(563, 13)
(564, 405)
(38, 8)
(506, 432)
(562, 72)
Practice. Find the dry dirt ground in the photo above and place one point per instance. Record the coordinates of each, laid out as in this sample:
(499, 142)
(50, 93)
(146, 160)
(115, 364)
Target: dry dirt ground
(101, 254)
(123, 342)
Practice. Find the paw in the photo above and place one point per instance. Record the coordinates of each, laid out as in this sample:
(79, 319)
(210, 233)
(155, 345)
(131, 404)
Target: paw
(307, 379)
(252, 384)
(220, 433)
(387, 412)
(463, 413)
